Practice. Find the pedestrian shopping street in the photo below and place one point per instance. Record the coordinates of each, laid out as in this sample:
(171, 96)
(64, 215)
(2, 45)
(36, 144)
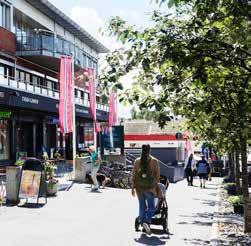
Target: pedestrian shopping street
(80, 217)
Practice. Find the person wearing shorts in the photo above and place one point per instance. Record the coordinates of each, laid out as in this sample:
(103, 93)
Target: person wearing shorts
(202, 170)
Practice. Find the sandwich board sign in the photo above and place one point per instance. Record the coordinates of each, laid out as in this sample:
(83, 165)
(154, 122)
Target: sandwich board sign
(30, 184)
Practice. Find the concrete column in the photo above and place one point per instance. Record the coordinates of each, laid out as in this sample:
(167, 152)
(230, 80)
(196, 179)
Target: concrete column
(34, 138)
(44, 134)
(13, 139)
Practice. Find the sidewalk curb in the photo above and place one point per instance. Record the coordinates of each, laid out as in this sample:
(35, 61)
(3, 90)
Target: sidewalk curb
(214, 234)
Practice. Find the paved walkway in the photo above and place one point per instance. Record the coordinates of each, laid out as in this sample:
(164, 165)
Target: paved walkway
(81, 218)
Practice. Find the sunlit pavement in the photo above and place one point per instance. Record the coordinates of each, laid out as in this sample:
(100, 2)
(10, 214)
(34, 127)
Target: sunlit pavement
(80, 217)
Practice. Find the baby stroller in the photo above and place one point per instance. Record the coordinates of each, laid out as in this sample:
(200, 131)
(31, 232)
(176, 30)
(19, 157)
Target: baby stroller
(161, 213)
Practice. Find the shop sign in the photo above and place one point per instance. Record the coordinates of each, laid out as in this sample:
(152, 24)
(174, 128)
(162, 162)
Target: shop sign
(5, 115)
(30, 100)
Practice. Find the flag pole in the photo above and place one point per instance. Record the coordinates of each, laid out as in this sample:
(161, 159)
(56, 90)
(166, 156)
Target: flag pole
(74, 151)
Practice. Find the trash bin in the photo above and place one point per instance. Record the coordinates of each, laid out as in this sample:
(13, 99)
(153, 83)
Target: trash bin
(80, 168)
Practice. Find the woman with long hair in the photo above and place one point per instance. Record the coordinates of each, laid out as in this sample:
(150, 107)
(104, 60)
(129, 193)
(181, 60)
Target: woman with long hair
(145, 178)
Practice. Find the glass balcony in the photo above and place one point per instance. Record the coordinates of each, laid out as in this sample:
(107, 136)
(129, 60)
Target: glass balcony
(40, 44)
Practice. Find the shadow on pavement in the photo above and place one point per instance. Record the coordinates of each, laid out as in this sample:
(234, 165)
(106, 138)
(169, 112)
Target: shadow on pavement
(199, 219)
(206, 202)
(196, 241)
(32, 205)
(151, 240)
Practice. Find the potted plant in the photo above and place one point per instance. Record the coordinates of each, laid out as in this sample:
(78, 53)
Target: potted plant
(237, 202)
(19, 163)
(231, 188)
(51, 182)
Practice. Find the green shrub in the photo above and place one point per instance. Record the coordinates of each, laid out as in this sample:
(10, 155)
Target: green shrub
(235, 200)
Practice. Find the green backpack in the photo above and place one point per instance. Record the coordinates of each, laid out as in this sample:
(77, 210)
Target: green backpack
(144, 179)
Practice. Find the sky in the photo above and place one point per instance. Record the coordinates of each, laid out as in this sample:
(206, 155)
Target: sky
(94, 14)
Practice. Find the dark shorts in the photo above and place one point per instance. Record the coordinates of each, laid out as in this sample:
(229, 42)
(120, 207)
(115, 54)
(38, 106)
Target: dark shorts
(202, 175)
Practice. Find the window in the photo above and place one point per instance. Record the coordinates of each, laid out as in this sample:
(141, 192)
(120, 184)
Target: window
(49, 84)
(1, 70)
(95, 66)
(5, 16)
(84, 61)
(60, 45)
(28, 77)
(56, 86)
(89, 62)
(21, 76)
(1, 14)
(4, 139)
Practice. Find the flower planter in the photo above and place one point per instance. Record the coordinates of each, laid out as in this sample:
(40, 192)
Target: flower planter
(51, 188)
(239, 209)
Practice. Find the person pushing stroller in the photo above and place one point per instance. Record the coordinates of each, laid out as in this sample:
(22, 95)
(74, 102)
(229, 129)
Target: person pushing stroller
(145, 179)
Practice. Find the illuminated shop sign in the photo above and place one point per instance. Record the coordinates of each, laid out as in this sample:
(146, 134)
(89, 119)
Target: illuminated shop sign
(5, 114)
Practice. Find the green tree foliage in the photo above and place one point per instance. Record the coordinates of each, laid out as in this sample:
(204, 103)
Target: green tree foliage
(194, 62)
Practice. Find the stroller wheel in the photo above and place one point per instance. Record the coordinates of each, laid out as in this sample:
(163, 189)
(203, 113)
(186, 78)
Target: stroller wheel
(165, 229)
(137, 224)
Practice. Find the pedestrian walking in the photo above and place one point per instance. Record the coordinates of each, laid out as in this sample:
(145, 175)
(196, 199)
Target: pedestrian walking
(210, 163)
(95, 165)
(189, 169)
(145, 179)
(203, 170)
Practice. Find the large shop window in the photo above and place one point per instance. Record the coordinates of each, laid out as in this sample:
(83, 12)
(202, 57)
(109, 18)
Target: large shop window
(4, 139)
(5, 15)
(88, 134)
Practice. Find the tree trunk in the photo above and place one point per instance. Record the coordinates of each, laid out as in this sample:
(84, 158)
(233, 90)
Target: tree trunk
(247, 215)
(231, 167)
(237, 171)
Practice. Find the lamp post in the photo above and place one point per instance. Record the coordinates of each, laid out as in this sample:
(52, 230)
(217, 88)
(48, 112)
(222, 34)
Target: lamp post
(178, 136)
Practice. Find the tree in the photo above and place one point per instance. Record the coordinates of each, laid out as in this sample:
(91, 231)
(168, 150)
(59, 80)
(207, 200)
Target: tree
(194, 62)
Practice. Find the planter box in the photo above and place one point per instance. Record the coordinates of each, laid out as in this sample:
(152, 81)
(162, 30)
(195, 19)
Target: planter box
(239, 209)
(51, 189)
(13, 177)
(80, 169)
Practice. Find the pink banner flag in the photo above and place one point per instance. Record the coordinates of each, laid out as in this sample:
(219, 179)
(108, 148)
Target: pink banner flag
(112, 109)
(65, 99)
(92, 93)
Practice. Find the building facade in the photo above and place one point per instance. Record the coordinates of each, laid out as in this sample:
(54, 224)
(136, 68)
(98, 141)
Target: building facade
(33, 36)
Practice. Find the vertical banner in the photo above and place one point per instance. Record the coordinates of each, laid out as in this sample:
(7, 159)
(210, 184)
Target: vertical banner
(112, 109)
(65, 99)
(92, 93)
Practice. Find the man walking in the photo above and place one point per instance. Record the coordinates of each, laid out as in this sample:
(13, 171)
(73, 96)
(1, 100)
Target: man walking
(203, 170)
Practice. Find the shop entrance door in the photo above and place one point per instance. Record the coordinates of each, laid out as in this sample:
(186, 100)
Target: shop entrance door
(51, 138)
(25, 138)
(39, 141)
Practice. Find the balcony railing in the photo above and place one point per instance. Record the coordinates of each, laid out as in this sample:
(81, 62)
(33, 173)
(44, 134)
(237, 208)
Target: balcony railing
(38, 42)
(10, 82)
